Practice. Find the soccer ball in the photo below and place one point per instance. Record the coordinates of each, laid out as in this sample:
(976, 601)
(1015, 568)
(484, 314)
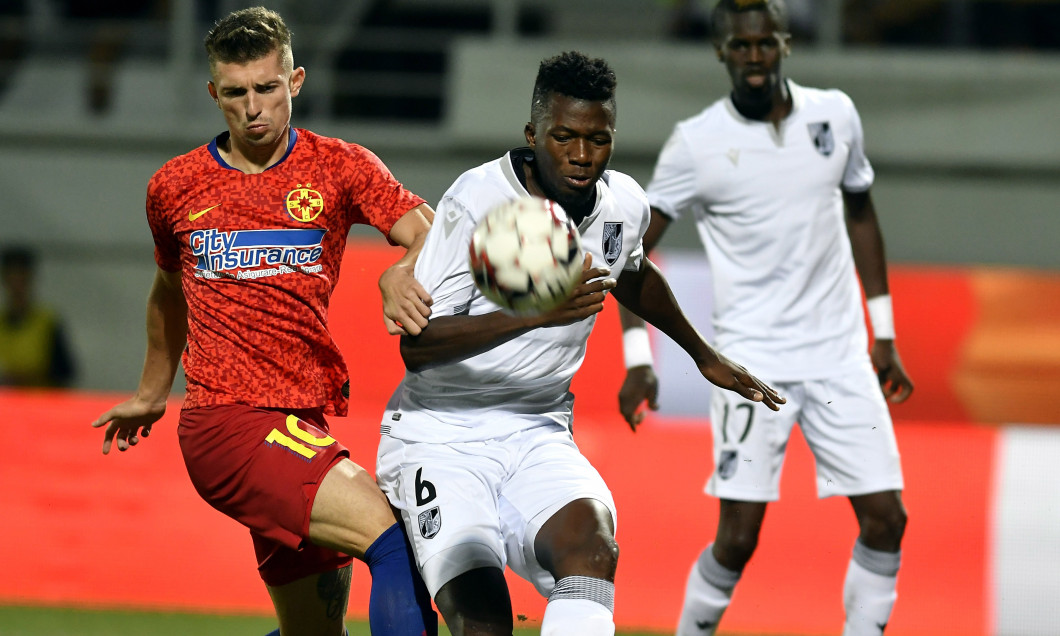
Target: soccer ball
(526, 256)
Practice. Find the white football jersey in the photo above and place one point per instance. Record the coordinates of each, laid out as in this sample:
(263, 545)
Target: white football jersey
(769, 210)
(525, 381)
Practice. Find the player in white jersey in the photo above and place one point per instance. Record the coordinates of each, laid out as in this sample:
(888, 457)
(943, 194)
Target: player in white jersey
(477, 452)
(767, 173)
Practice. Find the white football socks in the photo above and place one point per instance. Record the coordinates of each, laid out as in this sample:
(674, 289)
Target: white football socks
(580, 605)
(707, 595)
(870, 590)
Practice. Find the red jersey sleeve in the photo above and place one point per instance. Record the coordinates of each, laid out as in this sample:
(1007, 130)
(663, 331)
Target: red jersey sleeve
(377, 197)
(167, 247)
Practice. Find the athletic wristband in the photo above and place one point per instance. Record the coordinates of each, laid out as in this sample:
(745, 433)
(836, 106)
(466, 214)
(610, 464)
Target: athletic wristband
(881, 317)
(637, 347)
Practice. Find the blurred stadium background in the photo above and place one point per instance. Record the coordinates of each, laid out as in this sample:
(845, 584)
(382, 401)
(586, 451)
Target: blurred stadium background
(959, 100)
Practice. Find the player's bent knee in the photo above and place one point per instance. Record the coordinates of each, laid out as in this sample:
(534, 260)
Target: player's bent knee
(578, 540)
(595, 555)
(884, 531)
(735, 550)
(882, 526)
(349, 511)
(603, 556)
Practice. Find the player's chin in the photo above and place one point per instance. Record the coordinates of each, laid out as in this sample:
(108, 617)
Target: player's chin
(572, 195)
(259, 136)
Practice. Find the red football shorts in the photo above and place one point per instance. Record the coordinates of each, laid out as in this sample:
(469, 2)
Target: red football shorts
(262, 467)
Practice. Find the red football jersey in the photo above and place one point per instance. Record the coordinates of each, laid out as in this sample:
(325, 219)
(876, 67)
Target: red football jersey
(259, 256)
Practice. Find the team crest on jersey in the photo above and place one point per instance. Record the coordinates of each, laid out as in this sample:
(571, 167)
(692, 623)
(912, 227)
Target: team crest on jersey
(612, 244)
(727, 464)
(430, 522)
(304, 203)
(821, 135)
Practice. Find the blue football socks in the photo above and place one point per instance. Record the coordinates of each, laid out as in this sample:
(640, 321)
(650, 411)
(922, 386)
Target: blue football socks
(400, 604)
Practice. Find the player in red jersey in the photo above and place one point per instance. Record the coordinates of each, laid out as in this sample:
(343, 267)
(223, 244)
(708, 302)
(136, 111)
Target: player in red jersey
(249, 234)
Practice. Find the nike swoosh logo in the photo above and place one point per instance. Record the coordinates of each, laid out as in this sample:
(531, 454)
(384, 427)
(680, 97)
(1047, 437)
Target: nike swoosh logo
(704, 624)
(194, 215)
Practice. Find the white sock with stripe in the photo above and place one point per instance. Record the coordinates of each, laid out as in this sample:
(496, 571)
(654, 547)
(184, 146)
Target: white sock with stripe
(707, 595)
(870, 590)
(580, 605)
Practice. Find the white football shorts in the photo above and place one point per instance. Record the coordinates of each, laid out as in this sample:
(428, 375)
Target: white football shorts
(468, 505)
(844, 420)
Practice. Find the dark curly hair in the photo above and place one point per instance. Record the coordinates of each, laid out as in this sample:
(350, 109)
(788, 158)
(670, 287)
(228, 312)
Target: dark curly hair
(247, 35)
(719, 19)
(575, 75)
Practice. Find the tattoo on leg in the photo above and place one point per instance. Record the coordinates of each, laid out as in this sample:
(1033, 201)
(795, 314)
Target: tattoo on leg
(334, 589)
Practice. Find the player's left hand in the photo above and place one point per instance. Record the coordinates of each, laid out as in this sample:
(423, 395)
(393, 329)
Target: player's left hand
(727, 374)
(640, 387)
(895, 382)
(128, 421)
(406, 304)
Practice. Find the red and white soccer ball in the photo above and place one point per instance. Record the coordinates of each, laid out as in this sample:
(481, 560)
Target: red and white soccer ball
(526, 256)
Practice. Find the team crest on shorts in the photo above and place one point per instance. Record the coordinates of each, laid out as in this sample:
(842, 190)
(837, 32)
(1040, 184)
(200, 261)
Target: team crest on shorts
(727, 464)
(612, 244)
(821, 135)
(430, 522)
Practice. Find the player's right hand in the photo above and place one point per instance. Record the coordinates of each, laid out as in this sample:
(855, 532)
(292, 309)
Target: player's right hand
(406, 304)
(640, 386)
(128, 421)
(729, 375)
(895, 382)
(586, 299)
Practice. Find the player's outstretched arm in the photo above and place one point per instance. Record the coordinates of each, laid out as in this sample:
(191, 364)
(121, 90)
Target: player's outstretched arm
(167, 334)
(647, 294)
(406, 304)
(450, 338)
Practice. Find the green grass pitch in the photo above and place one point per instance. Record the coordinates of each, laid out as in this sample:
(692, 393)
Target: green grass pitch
(54, 621)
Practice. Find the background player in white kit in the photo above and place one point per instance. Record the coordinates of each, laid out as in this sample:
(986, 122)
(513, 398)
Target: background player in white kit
(767, 172)
(477, 451)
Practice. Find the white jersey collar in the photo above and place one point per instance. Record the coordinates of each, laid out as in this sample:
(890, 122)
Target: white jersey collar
(797, 100)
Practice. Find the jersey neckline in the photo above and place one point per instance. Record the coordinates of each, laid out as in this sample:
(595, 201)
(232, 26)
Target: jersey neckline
(292, 138)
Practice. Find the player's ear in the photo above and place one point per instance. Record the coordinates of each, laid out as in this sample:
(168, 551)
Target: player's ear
(213, 92)
(718, 52)
(531, 134)
(297, 78)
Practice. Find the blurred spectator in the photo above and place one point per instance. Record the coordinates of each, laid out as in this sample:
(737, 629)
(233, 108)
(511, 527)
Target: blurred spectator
(690, 19)
(985, 24)
(111, 23)
(33, 348)
(1016, 24)
(12, 37)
